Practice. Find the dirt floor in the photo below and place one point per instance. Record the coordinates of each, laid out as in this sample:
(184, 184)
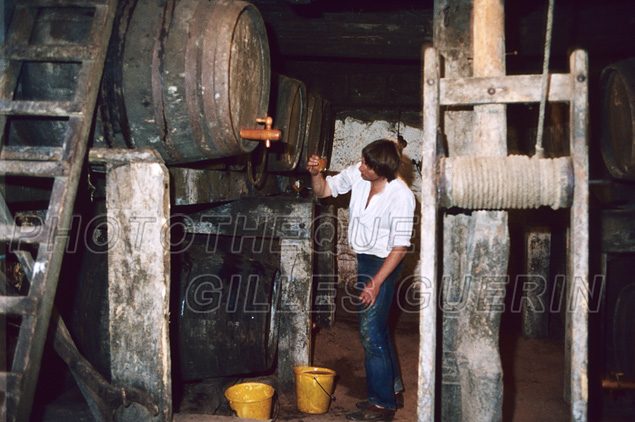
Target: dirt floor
(533, 385)
(533, 377)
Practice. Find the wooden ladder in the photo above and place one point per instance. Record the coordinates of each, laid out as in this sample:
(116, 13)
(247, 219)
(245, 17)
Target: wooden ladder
(61, 163)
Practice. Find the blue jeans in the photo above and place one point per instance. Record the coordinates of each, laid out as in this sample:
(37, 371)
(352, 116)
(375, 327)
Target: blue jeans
(382, 372)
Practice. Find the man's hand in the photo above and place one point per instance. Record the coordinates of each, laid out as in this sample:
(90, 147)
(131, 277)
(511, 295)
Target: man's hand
(369, 294)
(321, 189)
(313, 165)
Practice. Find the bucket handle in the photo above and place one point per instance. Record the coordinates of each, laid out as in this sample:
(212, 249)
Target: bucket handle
(332, 396)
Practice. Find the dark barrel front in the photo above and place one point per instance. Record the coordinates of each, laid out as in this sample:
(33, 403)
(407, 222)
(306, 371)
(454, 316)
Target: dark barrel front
(312, 129)
(327, 131)
(618, 119)
(227, 322)
(183, 77)
(290, 117)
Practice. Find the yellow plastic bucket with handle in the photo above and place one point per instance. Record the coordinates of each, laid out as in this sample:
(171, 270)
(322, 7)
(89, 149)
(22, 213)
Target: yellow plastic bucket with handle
(251, 400)
(314, 388)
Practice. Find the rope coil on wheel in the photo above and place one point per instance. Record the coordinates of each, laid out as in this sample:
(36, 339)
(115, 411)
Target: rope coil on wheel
(515, 181)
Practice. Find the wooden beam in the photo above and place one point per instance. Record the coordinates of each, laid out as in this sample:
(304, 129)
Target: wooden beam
(395, 34)
(400, 31)
(275, 217)
(504, 89)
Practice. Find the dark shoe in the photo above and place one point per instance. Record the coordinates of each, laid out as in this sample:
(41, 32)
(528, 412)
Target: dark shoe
(365, 403)
(372, 413)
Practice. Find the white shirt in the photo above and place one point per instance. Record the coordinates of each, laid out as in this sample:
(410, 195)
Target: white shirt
(385, 223)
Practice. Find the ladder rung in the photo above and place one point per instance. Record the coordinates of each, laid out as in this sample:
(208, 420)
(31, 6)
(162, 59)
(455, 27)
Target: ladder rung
(32, 153)
(26, 234)
(9, 381)
(34, 168)
(61, 3)
(48, 53)
(18, 305)
(40, 108)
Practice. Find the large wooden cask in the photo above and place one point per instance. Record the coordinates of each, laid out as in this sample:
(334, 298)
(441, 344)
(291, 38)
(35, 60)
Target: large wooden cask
(184, 77)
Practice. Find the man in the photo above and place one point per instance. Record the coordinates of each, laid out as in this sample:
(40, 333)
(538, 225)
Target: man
(380, 227)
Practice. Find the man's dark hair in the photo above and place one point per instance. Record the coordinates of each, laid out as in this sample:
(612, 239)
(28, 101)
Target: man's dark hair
(383, 157)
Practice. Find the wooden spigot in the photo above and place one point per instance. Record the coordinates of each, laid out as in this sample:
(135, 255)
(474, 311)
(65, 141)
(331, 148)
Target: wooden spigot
(267, 134)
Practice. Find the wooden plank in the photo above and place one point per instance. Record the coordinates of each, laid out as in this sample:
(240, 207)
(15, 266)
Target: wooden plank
(349, 34)
(18, 305)
(34, 168)
(115, 156)
(428, 257)
(193, 186)
(503, 90)
(31, 153)
(576, 385)
(40, 108)
(137, 198)
(45, 53)
(255, 217)
(576, 23)
(26, 234)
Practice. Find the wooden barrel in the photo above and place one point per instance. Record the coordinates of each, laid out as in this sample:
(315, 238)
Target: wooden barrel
(327, 131)
(224, 313)
(227, 322)
(183, 77)
(312, 130)
(618, 118)
(290, 116)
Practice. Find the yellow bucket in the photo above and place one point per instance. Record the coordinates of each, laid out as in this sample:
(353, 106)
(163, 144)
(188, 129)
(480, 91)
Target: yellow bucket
(251, 400)
(314, 388)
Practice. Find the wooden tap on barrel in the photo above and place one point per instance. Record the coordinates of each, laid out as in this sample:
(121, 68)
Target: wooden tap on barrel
(267, 134)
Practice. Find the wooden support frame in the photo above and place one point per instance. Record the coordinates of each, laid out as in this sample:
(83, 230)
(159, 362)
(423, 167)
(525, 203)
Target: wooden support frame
(575, 86)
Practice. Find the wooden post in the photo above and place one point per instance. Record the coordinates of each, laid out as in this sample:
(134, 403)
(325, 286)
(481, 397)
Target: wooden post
(535, 286)
(577, 330)
(296, 272)
(478, 356)
(453, 39)
(476, 246)
(429, 219)
(138, 208)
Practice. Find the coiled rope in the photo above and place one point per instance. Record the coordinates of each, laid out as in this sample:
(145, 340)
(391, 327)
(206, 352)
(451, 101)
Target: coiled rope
(516, 181)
